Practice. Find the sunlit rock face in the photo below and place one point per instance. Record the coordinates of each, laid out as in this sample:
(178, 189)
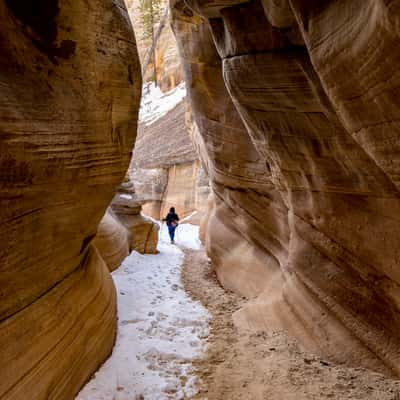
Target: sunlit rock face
(167, 65)
(297, 115)
(69, 96)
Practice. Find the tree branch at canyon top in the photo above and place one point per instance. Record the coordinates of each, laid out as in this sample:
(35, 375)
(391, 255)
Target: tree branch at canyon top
(150, 16)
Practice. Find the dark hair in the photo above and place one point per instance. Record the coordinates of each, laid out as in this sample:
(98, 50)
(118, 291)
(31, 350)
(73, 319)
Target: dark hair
(172, 210)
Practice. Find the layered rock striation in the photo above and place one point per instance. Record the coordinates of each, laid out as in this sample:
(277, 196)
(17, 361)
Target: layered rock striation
(296, 113)
(142, 232)
(112, 240)
(70, 89)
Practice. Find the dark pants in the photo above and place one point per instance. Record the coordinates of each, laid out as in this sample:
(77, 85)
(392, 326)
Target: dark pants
(171, 231)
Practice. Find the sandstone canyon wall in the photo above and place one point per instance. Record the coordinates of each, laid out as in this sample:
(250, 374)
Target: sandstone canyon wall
(168, 66)
(69, 96)
(126, 208)
(296, 109)
(165, 167)
(123, 229)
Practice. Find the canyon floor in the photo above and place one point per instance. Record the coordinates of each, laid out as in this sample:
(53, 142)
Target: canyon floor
(177, 340)
(266, 366)
(161, 330)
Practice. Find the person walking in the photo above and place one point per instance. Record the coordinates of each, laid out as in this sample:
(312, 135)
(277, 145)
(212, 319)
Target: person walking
(172, 223)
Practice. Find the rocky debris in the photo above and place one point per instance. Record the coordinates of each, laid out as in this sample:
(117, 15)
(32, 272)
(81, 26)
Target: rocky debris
(297, 127)
(142, 231)
(69, 98)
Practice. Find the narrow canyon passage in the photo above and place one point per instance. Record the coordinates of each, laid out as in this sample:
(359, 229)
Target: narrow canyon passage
(177, 339)
(268, 131)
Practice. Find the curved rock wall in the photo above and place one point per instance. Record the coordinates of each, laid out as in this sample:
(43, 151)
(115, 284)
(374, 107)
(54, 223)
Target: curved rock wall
(142, 232)
(112, 241)
(70, 88)
(297, 114)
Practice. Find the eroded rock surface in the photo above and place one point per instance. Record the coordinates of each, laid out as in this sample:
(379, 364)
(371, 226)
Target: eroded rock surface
(167, 64)
(126, 207)
(297, 115)
(112, 240)
(69, 95)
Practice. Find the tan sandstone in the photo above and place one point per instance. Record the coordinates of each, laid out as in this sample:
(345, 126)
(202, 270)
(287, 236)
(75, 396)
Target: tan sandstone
(297, 109)
(112, 241)
(142, 231)
(70, 89)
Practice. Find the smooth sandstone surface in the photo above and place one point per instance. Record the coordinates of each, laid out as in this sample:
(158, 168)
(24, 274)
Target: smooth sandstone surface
(112, 241)
(297, 111)
(165, 142)
(185, 191)
(69, 96)
(142, 231)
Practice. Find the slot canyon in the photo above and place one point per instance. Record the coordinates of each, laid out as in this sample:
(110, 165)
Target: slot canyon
(272, 127)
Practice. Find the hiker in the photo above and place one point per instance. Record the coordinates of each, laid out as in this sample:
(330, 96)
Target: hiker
(172, 223)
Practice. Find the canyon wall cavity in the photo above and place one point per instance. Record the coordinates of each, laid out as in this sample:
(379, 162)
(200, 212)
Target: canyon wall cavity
(296, 108)
(70, 88)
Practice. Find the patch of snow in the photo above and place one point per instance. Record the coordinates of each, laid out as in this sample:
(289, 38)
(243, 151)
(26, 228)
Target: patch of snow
(125, 196)
(161, 330)
(155, 103)
(189, 216)
(186, 235)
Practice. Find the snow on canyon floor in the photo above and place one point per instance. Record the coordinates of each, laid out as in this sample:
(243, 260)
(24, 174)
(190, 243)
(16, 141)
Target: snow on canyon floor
(177, 340)
(161, 330)
(156, 104)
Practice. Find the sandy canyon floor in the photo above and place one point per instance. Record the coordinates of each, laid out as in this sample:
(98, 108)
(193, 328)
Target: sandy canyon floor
(261, 366)
(177, 340)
